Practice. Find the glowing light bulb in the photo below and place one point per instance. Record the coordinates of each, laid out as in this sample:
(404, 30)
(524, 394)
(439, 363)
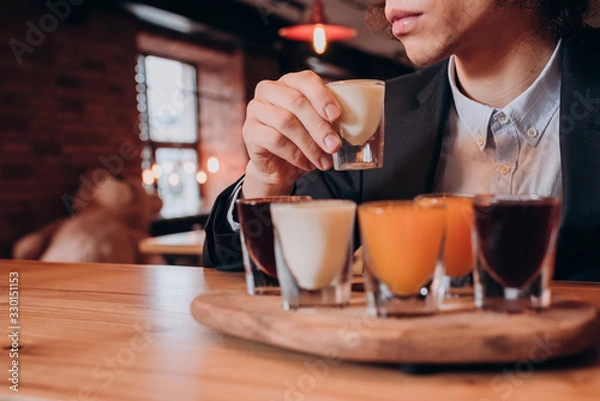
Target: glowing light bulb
(189, 167)
(201, 177)
(319, 39)
(157, 171)
(173, 179)
(148, 177)
(212, 164)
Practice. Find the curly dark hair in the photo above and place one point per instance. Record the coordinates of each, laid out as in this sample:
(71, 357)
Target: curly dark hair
(564, 17)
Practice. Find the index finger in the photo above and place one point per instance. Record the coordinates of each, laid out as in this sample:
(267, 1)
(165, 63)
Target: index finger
(320, 97)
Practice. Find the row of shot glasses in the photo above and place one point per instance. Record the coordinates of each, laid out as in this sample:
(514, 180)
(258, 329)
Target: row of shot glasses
(498, 250)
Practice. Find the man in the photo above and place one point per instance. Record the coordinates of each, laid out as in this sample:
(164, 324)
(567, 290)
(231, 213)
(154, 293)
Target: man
(509, 103)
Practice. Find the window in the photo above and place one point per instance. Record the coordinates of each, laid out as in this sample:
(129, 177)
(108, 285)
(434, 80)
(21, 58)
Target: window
(214, 80)
(168, 106)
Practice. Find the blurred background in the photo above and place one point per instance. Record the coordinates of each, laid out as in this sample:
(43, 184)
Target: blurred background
(155, 89)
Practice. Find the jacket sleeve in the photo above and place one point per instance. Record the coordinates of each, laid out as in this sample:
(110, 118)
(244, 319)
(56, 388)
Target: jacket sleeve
(222, 246)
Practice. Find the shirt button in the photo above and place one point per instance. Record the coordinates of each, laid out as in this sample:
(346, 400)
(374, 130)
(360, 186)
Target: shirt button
(532, 132)
(505, 170)
(502, 118)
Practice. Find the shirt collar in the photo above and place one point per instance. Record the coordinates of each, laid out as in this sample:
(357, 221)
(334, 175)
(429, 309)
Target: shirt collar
(530, 112)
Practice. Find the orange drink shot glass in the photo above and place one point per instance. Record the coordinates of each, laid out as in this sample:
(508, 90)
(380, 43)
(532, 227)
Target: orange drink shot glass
(402, 245)
(459, 256)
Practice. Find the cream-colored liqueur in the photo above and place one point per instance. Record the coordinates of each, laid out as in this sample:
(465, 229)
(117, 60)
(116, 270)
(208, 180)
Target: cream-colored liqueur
(362, 106)
(314, 239)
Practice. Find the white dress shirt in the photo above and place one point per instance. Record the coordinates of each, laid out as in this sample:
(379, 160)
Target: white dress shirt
(514, 150)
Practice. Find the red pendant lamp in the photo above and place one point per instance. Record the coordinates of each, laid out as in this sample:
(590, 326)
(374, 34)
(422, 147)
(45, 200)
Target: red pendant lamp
(318, 30)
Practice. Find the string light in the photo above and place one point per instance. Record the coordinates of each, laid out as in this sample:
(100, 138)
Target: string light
(201, 177)
(212, 164)
(147, 177)
(189, 167)
(173, 179)
(157, 171)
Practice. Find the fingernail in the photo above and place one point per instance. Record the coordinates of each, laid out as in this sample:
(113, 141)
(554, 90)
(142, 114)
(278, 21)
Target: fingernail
(331, 142)
(325, 162)
(332, 112)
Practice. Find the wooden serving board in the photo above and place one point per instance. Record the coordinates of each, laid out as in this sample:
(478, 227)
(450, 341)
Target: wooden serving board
(457, 335)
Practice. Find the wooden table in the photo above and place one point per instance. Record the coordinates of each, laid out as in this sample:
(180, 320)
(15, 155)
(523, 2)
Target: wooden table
(124, 332)
(185, 243)
(186, 246)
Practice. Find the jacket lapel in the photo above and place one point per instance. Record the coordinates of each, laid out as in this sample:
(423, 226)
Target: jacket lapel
(580, 156)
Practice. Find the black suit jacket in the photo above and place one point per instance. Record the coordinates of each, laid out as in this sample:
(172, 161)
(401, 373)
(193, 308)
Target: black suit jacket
(417, 106)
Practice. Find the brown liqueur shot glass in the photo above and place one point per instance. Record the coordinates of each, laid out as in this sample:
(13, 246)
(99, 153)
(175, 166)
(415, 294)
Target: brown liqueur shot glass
(515, 242)
(256, 229)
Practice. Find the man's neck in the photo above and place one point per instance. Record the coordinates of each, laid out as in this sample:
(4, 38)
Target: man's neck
(498, 73)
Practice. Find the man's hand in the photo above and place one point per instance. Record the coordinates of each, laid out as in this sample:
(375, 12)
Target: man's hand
(288, 132)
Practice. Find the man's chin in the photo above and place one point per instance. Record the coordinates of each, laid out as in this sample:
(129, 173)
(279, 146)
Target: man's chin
(423, 53)
(420, 60)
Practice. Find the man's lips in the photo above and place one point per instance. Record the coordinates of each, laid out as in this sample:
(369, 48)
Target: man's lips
(403, 21)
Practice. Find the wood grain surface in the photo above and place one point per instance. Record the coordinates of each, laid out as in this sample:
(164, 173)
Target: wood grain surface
(125, 332)
(184, 243)
(457, 335)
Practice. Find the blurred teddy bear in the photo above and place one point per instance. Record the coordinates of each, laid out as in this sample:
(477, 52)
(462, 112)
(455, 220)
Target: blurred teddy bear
(110, 216)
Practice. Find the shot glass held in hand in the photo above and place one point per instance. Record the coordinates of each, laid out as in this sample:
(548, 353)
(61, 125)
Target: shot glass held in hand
(402, 247)
(516, 247)
(361, 124)
(313, 251)
(256, 229)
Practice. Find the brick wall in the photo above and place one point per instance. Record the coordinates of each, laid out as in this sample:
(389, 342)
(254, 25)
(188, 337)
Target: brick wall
(68, 106)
